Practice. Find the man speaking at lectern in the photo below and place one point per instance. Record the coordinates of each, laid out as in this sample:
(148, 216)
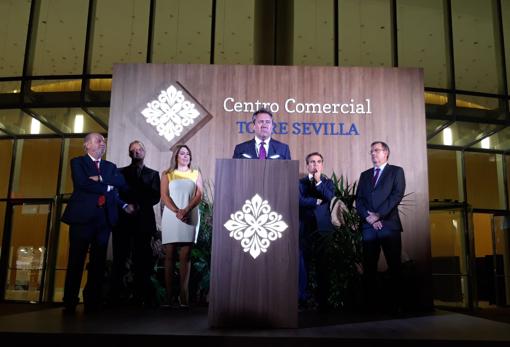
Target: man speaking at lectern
(262, 146)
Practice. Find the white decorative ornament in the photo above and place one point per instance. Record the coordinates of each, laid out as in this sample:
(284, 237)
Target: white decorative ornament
(170, 113)
(255, 226)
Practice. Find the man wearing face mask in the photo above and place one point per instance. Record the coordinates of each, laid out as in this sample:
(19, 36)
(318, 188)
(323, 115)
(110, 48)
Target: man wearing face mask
(262, 146)
(131, 238)
(91, 212)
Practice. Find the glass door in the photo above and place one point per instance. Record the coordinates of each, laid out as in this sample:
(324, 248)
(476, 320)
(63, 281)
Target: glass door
(492, 248)
(501, 259)
(27, 251)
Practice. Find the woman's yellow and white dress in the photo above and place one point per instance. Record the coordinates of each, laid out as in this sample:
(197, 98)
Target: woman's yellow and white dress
(181, 186)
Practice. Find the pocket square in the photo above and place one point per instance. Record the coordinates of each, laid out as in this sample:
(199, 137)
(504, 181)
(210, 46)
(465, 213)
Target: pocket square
(274, 156)
(246, 156)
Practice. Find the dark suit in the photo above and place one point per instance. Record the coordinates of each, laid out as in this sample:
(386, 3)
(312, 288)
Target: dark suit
(313, 218)
(90, 227)
(277, 150)
(382, 199)
(132, 236)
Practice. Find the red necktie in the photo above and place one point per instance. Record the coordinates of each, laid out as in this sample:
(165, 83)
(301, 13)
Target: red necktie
(102, 199)
(375, 176)
(262, 151)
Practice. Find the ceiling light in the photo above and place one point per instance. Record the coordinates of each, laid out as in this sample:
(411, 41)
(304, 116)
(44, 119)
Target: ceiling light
(486, 143)
(78, 123)
(35, 126)
(447, 137)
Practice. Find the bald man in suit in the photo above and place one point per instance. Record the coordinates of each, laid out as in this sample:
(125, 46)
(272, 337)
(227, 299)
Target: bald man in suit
(91, 212)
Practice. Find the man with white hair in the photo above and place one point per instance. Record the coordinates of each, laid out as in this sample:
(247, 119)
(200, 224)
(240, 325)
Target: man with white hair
(91, 212)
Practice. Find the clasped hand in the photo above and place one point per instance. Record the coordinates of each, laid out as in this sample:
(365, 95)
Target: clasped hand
(373, 219)
(182, 214)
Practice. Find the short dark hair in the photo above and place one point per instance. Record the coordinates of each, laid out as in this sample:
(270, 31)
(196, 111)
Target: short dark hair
(259, 111)
(312, 154)
(384, 145)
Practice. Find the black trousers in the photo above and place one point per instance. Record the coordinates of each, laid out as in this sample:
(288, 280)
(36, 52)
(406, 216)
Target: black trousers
(89, 238)
(390, 242)
(132, 243)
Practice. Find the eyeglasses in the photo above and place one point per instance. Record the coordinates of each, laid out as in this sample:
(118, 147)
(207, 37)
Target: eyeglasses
(377, 150)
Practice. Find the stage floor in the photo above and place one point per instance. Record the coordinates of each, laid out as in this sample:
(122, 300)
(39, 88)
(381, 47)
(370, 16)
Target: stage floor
(37, 324)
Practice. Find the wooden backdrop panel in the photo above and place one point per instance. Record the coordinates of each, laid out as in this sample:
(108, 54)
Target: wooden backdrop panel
(397, 117)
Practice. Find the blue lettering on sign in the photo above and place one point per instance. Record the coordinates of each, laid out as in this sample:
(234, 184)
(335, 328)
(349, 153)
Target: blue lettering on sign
(304, 128)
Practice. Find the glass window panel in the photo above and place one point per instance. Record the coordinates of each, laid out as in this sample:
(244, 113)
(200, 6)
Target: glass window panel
(72, 148)
(313, 42)
(100, 84)
(462, 134)
(62, 92)
(436, 104)
(505, 13)
(36, 168)
(99, 90)
(479, 107)
(499, 141)
(102, 113)
(5, 166)
(474, 44)
(2, 221)
(182, 32)
(502, 239)
(61, 263)
(449, 267)
(60, 37)
(507, 163)
(433, 125)
(364, 33)
(14, 15)
(69, 120)
(18, 122)
(10, 87)
(482, 230)
(235, 31)
(28, 251)
(128, 42)
(55, 86)
(484, 180)
(424, 47)
(445, 183)
(488, 290)
(10, 92)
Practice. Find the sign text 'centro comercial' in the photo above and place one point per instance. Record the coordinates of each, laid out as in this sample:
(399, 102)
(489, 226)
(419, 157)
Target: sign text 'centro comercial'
(292, 106)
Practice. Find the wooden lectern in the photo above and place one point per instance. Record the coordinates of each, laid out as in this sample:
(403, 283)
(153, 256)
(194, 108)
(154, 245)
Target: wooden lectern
(254, 280)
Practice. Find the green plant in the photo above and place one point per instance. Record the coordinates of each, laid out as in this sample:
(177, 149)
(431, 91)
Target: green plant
(201, 253)
(343, 247)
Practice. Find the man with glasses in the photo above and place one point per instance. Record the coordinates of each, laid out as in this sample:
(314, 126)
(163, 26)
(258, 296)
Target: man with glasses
(380, 191)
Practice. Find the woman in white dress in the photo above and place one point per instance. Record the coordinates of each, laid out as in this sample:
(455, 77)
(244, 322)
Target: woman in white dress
(181, 192)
